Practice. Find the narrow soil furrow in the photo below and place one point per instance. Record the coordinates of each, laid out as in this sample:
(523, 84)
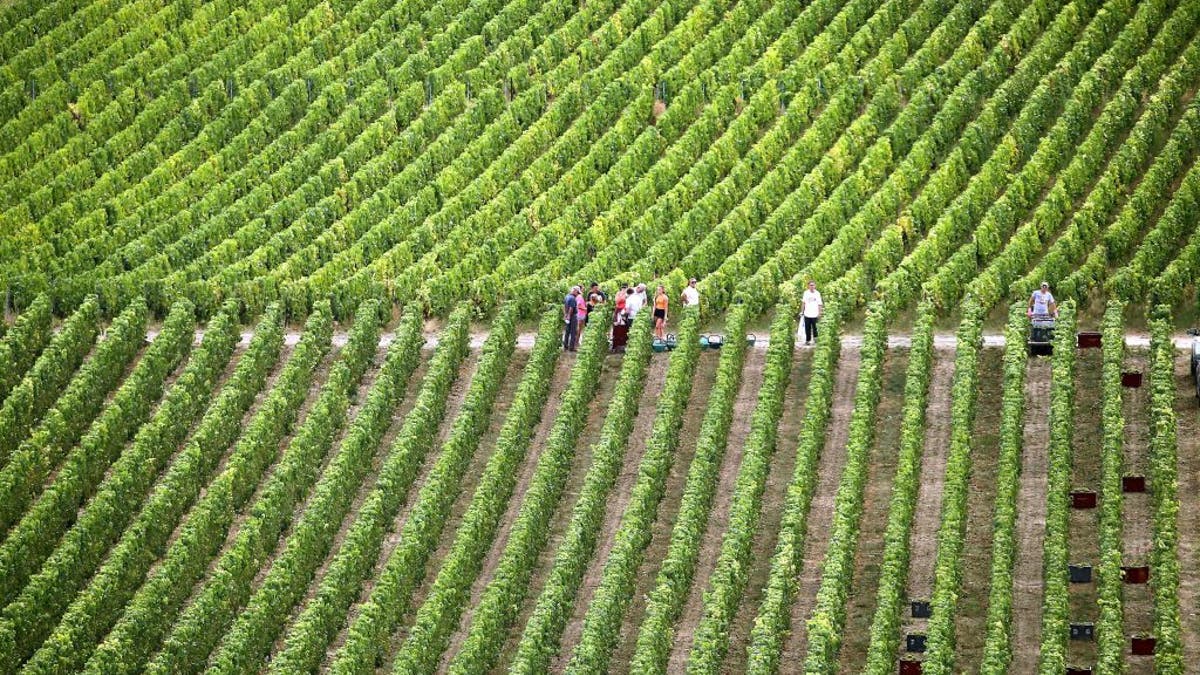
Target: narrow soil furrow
(597, 410)
(618, 500)
(453, 403)
(474, 473)
(820, 514)
(1188, 420)
(884, 459)
(783, 466)
(922, 538)
(710, 547)
(1031, 519)
(558, 384)
(1137, 512)
(668, 509)
(971, 616)
(1083, 545)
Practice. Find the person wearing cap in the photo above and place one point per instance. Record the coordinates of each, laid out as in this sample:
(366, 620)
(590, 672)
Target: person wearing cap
(811, 307)
(571, 320)
(1042, 303)
(690, 295)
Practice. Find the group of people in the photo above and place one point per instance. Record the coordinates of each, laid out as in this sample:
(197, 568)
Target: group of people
(630, 300)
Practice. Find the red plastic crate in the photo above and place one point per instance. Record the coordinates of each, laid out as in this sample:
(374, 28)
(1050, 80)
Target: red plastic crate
(1133, 483)
(1142, 645)
(1083, 499)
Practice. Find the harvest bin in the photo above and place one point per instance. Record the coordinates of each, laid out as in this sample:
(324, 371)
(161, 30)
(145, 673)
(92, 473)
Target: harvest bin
(1133, 483)
(1139, 574)
(1080, 574)
(1142, 645)
(1083, 499)
(1131, 380)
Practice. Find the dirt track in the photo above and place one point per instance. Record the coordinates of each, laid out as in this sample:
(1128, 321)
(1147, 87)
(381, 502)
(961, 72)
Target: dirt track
(881, 475)
(1188, 419)
(617, 501)
(927, 515)
(558, 382)
(820, 514)
(718, 519)
(1031, 519)
(1137, 510)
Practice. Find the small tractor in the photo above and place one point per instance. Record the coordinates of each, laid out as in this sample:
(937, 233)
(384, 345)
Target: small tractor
(1041, 335)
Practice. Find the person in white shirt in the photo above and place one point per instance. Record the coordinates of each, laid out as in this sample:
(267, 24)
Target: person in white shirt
(635, 302)
(811, 307)
(691, 296)
(1041, 303)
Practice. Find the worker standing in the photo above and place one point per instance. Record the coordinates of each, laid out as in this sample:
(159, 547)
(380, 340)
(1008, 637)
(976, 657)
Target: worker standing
(660, 313)
(620, 323)
(571, 320)
(690, 295)
(636, 301)
(811, 307)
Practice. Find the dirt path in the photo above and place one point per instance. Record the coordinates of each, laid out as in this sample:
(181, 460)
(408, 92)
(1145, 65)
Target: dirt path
(971, 615)
(783, 466)
(1137, 510)
(710, 548)
(618, 500)
(239, 351)
(358, 399)
(525, 340)
(922, 538)
(1083, 525)
(558, 383)
(668, 510)
(1031, 519)
(239, 521)
(454, 402)
(820, 514)
(470, 481)
(268, 385)
(597, 411)
(883, 460)
(1188, 420)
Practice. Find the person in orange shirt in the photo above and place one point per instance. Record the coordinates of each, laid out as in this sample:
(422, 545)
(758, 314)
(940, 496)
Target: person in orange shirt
(660, 313)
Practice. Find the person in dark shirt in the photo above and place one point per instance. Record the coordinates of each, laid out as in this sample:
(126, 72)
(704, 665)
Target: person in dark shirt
(596, 290)
(571, 320)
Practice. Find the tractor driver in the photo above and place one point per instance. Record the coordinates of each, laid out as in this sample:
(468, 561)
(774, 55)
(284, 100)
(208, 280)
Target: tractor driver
(1041, 303)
